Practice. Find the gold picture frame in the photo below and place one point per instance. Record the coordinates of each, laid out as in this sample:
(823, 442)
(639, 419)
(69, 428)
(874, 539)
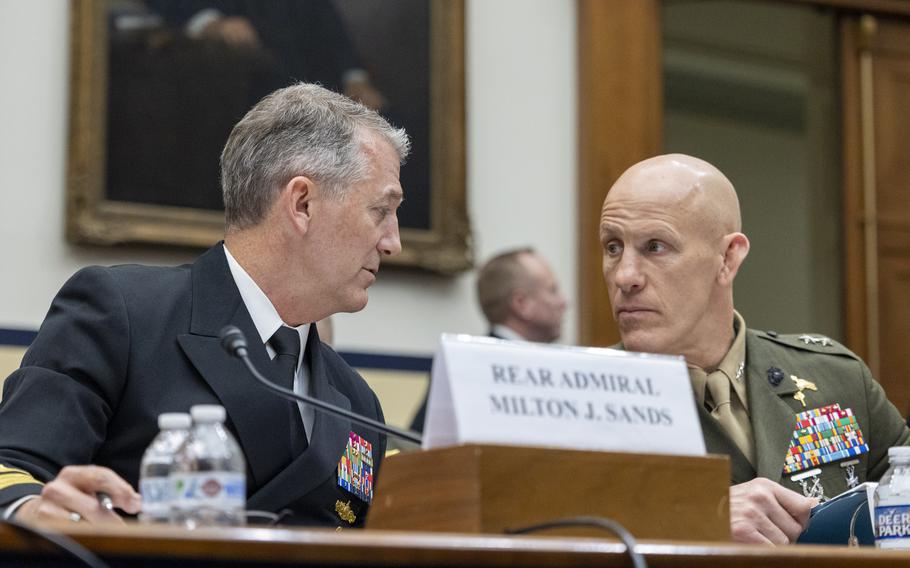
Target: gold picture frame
(441, 244)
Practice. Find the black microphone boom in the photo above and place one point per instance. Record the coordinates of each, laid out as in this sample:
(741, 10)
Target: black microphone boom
(233, 341)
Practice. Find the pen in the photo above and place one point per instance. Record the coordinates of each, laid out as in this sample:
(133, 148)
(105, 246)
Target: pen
(105, 500)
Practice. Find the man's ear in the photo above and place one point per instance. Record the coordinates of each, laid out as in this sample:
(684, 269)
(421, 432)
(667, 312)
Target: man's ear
(519, 303)
(297, 201)
(736, 247)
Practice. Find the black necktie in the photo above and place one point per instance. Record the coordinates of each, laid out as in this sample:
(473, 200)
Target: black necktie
(286, 343)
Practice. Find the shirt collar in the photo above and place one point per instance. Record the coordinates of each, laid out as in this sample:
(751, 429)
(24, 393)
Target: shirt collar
(264, 315)
(506, 332)
(730, 365)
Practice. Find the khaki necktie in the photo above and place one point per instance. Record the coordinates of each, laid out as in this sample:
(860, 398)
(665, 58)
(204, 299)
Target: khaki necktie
(722, 411)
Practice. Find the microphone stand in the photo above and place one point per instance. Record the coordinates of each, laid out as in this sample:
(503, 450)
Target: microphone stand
(234, 343)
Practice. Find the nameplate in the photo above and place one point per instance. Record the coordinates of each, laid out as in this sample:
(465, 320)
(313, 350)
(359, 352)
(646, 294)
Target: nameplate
(490, 391)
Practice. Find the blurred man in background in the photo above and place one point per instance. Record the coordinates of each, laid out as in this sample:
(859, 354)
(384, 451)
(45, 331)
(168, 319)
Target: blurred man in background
(521, 300)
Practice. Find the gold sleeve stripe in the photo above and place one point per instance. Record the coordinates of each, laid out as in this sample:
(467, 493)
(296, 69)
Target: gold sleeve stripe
(10, 479)
(5, 469)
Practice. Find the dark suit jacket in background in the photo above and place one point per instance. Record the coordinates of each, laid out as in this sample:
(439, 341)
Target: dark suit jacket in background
(420, 417)
(121, 345)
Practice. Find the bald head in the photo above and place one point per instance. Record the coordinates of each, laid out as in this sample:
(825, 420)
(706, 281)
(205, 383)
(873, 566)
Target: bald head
(670, 229)
(678, 180)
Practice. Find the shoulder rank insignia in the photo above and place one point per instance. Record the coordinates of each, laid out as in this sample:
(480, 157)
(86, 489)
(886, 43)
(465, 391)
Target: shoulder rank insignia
(355, 468)
(802, 385)
(815, 340)
(345, 512)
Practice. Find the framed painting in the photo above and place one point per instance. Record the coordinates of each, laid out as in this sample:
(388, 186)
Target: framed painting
(157, 86)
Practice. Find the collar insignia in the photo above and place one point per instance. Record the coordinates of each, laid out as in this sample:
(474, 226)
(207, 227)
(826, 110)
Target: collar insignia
(775, 376)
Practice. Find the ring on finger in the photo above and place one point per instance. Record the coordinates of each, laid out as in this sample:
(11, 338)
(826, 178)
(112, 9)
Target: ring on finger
(75, 517)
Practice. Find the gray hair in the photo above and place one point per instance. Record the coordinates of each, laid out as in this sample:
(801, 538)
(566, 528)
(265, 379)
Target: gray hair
(303, 129)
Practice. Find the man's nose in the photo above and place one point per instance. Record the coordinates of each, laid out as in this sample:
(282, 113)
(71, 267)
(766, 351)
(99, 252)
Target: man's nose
(390, 243)
(628, 275)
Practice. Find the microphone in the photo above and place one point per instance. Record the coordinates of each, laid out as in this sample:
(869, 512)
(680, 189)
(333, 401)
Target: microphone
(233, 341)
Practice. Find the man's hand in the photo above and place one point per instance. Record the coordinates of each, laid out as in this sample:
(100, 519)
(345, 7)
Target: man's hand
(73, 495)
(762, 511)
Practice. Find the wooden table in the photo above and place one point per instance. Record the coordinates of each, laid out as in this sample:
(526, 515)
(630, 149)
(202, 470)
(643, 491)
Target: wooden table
(137, 545)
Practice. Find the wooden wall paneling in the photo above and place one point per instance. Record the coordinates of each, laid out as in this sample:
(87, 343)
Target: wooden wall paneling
(619, 122)
(854, 256)
(891, 91)
(877, 198)
(894, 7)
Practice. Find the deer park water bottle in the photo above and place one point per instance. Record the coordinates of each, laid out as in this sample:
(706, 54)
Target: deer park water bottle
(892, 502)
(156, 466)
(209, 474)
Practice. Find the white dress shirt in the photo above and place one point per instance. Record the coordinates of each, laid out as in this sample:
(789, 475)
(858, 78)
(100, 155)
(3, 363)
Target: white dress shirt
(267, 321)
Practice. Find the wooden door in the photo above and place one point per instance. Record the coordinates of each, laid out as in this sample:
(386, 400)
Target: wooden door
(876, 91)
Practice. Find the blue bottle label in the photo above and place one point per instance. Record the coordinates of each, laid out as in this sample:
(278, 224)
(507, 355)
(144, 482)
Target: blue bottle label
(892, 522)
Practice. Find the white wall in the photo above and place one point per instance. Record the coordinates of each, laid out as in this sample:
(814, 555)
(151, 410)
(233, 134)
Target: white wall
(521, 99)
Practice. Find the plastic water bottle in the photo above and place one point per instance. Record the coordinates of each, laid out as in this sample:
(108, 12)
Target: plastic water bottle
(892, 502)
(209, 474)
(156, 466)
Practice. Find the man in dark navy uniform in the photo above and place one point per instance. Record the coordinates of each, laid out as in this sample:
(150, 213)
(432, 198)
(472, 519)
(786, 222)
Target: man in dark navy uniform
(311, 190)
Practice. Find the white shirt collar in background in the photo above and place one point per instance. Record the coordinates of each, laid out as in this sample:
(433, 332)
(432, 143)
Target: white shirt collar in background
(506, 333)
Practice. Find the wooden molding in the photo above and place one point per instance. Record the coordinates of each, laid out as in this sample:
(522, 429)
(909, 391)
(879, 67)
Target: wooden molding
(854, 255)
(884, 7)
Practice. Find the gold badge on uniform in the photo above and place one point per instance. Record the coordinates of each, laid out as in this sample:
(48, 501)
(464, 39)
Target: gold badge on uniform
(802, 385)
(345, 512)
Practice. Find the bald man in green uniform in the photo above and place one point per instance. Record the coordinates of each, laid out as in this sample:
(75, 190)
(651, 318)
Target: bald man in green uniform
(799, 415)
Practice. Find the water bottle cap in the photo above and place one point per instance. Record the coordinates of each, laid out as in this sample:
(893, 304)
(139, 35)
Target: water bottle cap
(207, 413)
(174, 421)
(899, 452)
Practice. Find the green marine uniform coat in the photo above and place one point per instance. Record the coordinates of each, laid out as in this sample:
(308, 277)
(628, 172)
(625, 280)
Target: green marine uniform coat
(841, 378)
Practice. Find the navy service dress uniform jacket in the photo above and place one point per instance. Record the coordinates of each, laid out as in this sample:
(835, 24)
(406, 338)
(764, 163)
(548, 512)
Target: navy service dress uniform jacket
(840, 377)
(121, 345)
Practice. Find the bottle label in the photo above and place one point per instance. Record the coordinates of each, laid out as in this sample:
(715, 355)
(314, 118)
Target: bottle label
(216, 489)
(155, 498)
(892, 522)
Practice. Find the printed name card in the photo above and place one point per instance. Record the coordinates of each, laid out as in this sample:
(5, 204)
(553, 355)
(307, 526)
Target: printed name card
(490, 391)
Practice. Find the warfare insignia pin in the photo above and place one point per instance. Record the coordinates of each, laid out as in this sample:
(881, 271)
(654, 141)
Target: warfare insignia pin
(815, 340)
(345, 512)
(775, 376)
(850, 476)
(811, 484)
(802, 385)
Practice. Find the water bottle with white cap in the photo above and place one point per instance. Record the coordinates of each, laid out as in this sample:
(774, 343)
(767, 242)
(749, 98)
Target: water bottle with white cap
(892, 502)
(209, 474)
(156, 466)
